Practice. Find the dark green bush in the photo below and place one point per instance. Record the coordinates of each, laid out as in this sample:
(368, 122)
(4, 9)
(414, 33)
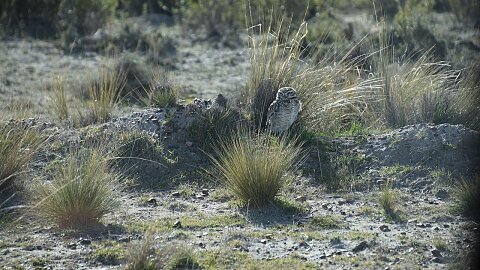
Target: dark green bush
(34, 17)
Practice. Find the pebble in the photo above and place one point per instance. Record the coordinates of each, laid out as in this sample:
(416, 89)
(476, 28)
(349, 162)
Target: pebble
(152, 201)
(177, 224)
(384, 228)
(360, 247)
(85, 242)
(189, 144)
(436, 253)
(72, 245)
(176, 194)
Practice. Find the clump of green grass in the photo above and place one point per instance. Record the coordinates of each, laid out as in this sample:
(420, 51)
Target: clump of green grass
(81, 192)
(253, 167)
(468, 195)
(58, 98)
(211, 126)
(104, 95)
(143, 255)
(325, 222)
(18, 146)
(162, 91)
(387, 200)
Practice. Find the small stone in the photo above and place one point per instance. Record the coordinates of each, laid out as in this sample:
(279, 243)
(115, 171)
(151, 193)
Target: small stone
(205, 192)
(124, 240)
(201, 244)
(384, 228)
(85, 242)
(177, 224)
(189, 144)
(268, 236)
(301, 198)
(325, 206)
(446, 226)
(436, 253)
(360, 247)
(176, 194)
(72, 245)
(263, 241)
(152, 201)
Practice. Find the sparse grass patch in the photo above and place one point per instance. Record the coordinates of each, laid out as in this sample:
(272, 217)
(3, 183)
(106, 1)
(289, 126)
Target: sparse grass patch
(224, 259)
(253, 168)
(58, 98)
(290, 206)
(104, 95)
(325, 222)
(162, 91)
(340, 170)
(468, 195)
(212, 126)
(81, 192)
(141, 255)
(109, 253)
(387, 200)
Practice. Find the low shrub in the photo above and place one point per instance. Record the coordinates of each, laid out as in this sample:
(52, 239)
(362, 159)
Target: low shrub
(211, 126)
(18, 146)
(468, 195)
(253, 167)
(82, 191)
(162, 90)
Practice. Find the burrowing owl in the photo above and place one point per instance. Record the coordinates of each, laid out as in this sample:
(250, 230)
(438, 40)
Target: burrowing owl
(284, 110)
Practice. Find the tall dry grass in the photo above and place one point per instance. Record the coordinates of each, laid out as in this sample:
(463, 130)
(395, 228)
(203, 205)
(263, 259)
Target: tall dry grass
(102, 97)
(18, 146)
(331, 88)
(253, 167)
(82, 191)
(374, 88)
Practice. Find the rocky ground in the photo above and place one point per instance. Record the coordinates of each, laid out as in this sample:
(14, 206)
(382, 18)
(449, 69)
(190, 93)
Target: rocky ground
(311, 226)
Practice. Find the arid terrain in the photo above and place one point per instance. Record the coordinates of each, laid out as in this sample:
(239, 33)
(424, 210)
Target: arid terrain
(366, 195)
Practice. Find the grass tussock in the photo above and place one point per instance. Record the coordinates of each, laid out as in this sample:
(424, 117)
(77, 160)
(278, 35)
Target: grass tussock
(58, 98)
(102, 97)
(388, 200)
(18, 146)
(254, 167)
(143, 255)
(468, 194)
(162, 91)
(81, 192)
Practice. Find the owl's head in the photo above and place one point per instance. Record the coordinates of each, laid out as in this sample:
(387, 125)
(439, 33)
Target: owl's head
(286, 93)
